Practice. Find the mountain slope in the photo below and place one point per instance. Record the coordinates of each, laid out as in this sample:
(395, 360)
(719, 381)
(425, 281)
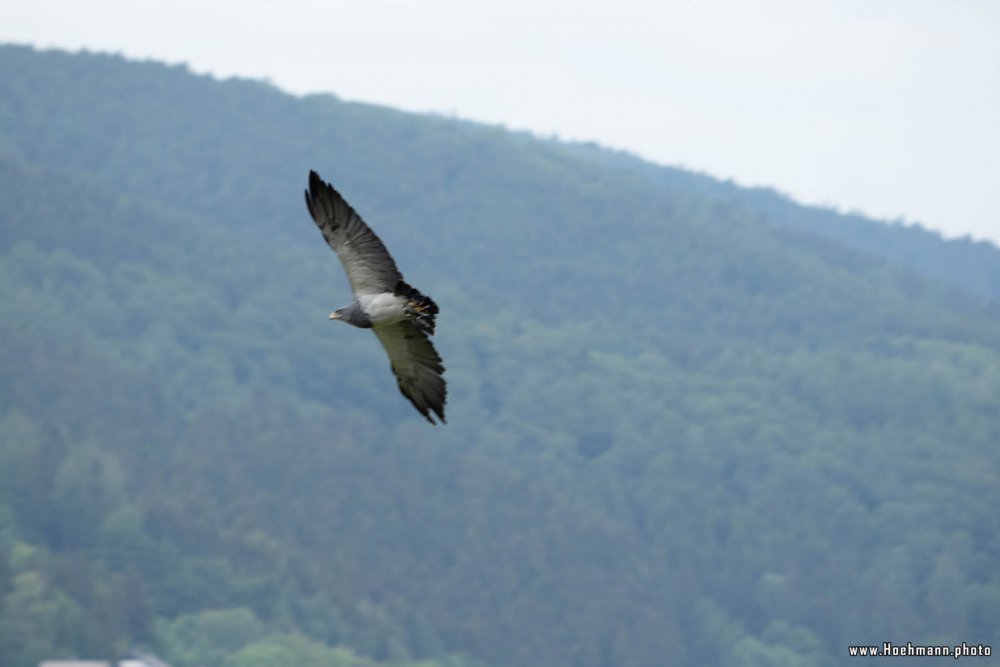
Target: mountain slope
(677, 427)
(284, 136)
(973, 266)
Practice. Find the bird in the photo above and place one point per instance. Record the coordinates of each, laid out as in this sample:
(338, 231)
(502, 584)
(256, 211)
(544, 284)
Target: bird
(401, 317)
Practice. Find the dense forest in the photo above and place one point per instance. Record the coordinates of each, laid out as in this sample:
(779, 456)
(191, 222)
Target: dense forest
(689, 424)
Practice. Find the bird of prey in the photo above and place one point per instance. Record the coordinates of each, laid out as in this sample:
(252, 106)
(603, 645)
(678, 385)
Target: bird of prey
(401, 317)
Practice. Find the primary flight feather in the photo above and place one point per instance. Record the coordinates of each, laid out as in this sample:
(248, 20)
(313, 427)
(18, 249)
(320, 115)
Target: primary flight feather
(402, 318)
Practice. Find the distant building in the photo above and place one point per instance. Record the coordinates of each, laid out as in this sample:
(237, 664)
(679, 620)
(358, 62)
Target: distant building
(142, 660)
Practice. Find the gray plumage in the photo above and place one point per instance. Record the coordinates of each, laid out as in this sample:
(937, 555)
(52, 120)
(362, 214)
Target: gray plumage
(402, 318)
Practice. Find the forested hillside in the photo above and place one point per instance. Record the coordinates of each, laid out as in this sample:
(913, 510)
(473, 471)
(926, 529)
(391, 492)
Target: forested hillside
(688, 424)
(971, 265)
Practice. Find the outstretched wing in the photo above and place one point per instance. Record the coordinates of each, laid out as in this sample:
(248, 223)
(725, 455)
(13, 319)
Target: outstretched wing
(369, 266)
(417, 367)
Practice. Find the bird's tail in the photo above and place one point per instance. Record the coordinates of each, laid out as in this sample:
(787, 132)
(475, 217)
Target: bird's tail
(421, 309)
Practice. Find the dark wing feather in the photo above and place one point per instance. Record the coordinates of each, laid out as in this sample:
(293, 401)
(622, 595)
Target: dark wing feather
(417, 367)
(369, 266)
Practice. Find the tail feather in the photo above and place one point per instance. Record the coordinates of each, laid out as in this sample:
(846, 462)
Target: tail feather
(424, 310)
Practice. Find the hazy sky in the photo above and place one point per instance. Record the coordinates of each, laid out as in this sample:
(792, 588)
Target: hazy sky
(889, 107)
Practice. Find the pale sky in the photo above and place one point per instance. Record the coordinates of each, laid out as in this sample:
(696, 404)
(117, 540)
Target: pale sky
(888, 107)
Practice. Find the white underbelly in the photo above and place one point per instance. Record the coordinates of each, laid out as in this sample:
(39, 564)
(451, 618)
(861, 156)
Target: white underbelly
(383, 308)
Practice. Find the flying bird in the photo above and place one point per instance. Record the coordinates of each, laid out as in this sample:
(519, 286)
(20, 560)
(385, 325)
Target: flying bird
(402, 318)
